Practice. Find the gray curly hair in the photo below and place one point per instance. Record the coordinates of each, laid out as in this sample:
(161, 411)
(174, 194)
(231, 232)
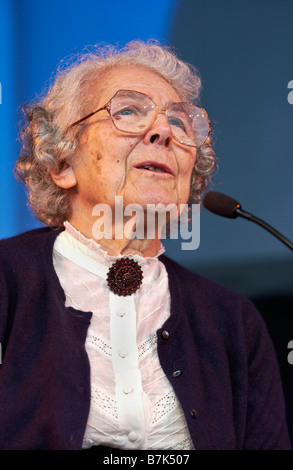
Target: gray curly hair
(45, 143)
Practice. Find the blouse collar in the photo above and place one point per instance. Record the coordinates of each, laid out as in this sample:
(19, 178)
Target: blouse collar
(94, 250)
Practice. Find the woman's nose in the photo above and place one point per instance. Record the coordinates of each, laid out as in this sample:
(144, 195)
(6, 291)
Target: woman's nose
(160, 132)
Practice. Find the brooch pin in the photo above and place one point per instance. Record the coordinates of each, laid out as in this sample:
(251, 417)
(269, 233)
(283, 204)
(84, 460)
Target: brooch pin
(124, 277)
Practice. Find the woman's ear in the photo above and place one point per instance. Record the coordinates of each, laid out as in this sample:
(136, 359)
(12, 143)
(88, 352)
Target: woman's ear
(65, 178)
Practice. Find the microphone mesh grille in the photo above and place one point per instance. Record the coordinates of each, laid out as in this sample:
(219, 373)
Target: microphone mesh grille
(220, 204)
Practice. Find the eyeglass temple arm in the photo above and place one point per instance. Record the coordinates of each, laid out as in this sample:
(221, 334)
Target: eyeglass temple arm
(88, 116)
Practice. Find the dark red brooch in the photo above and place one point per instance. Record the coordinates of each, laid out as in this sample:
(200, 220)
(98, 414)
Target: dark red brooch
(124, 277)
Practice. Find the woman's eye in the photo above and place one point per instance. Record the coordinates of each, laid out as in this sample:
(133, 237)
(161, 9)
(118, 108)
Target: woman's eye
(127, 111)
(177, 122)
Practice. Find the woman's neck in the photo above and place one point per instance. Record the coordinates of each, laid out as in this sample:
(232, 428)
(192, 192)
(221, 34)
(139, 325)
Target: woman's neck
(121, 245)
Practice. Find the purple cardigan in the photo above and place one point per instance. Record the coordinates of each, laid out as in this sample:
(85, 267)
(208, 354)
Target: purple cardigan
(214, 349)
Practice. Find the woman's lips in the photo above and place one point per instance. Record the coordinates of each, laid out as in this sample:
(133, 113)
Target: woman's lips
(154, 167)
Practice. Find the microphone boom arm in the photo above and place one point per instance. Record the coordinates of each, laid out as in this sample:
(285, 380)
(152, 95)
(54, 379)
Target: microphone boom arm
(240, 212)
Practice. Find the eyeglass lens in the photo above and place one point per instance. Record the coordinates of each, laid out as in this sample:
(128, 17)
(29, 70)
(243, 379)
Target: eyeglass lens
(134, 112)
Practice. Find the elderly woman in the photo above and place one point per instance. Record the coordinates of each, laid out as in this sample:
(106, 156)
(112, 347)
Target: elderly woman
(106, 341)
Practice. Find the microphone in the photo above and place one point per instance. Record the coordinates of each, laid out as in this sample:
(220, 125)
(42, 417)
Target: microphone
(220, 204)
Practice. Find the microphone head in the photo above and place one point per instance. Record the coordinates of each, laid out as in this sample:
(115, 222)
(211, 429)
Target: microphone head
(220, 204)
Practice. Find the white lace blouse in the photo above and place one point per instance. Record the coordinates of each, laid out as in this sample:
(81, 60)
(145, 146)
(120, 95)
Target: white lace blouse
(133, 405)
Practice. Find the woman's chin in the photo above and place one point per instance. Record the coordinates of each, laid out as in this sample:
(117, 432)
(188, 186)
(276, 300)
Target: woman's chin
(150, 198)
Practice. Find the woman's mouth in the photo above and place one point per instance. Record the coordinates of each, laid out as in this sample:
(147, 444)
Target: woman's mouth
(154, 167)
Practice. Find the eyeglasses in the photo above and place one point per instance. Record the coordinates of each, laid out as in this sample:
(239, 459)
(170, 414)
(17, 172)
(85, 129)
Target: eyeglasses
(134, 113)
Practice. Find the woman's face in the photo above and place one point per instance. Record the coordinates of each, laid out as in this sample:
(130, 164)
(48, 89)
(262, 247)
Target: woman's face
(111, 164)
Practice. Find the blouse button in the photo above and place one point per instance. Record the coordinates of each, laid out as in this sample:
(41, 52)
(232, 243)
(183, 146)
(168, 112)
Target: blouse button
(123, 353)
(132, 436)
(127, 390)
(165, 334)
(121, 312)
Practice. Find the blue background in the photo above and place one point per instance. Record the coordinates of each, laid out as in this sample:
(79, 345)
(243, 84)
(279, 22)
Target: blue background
(243, 50)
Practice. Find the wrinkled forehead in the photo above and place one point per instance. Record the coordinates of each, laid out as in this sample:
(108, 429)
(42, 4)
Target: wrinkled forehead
(135, 78)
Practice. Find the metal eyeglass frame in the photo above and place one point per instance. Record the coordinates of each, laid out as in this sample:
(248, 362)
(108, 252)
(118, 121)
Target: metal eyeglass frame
(107, 106)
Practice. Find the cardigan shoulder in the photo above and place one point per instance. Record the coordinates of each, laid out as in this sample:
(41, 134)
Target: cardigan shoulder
(193, 284)
(26, 254)
(27, 244)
